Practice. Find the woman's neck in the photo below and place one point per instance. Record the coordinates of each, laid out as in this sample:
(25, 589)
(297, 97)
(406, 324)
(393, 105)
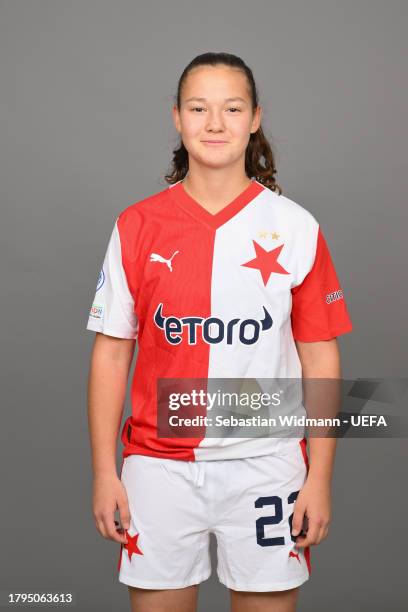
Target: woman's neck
(215, 191)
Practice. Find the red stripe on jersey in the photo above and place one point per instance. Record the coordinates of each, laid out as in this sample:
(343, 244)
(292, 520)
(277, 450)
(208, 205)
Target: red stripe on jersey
(183, 291)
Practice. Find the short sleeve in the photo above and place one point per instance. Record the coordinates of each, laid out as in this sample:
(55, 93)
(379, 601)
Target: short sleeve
(319, 311)
(113, 308)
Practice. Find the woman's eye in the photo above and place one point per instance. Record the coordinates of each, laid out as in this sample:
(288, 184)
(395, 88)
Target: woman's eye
(200, 108)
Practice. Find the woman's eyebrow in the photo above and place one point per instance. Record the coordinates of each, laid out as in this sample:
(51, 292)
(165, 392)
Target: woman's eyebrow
(226, 99)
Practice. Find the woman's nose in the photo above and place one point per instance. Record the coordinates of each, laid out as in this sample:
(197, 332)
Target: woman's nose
(214, 122)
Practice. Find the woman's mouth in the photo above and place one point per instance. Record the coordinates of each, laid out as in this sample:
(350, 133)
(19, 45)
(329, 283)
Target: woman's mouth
(214, 142)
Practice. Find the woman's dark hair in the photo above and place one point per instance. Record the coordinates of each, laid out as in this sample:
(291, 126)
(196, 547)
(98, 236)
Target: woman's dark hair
(259, 158)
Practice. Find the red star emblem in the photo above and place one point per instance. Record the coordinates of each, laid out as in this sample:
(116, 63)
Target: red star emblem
(131, 545)
(266, 262)
(293, 554)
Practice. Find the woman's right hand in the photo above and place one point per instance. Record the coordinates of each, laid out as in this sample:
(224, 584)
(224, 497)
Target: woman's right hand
(109, 494)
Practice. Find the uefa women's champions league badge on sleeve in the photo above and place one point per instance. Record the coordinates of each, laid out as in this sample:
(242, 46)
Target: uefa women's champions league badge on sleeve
(96, 311)
(101, 280)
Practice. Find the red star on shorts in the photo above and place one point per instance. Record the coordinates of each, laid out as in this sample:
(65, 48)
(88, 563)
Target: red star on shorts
(266, 262)
(131, 545)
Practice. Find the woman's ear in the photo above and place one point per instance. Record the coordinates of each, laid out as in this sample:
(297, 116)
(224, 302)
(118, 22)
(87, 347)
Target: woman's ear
(176, 118)
(256, 121)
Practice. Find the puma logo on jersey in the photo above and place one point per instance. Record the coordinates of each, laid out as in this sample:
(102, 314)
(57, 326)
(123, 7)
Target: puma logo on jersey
(293, 554)
(213, 329)
(156, 257)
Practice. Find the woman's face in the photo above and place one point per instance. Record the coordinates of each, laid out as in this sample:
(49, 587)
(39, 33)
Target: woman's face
(216, 106)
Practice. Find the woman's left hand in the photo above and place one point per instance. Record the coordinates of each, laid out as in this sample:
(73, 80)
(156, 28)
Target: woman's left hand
(314, 502)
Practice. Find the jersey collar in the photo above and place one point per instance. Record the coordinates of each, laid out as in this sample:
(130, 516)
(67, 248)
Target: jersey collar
(180, 196)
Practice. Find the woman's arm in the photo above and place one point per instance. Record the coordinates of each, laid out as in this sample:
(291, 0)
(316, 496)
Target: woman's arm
(319, 360)
(109, 369)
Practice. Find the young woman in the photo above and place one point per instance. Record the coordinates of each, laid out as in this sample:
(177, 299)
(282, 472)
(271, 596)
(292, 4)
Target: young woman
(217, 276)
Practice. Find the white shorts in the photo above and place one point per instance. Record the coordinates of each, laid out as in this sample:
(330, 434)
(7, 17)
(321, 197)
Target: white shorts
(248, 505)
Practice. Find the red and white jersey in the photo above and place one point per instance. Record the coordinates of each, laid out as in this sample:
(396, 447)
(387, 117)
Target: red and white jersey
(220, 295)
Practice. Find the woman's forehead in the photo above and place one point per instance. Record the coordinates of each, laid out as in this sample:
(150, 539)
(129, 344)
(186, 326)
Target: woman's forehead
(209, 82)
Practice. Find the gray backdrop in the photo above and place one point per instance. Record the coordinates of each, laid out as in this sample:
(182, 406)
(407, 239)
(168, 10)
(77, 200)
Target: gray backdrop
(86, 130)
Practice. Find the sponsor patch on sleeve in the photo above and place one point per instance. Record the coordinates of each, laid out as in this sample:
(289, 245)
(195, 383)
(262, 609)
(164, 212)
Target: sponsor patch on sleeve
(96, 311)
(334, 296)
